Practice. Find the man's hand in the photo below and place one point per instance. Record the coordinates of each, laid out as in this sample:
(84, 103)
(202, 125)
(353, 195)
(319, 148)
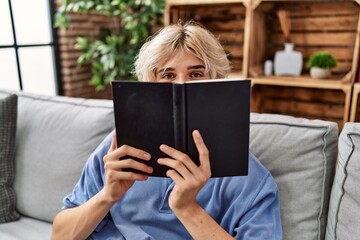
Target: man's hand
(117, 181)
(188, 178)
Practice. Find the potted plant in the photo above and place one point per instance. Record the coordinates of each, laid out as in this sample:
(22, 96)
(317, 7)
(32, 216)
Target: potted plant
(113, 54)
(320, 64)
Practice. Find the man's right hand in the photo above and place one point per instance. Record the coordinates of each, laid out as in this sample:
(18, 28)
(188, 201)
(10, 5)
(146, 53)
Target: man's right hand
(79, 222)
(117, 181)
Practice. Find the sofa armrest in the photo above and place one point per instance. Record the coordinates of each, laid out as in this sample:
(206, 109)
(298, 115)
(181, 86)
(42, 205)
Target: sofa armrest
(344, 218)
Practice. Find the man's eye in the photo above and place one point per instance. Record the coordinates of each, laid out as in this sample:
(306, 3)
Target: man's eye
(167, 76)
(197, 75)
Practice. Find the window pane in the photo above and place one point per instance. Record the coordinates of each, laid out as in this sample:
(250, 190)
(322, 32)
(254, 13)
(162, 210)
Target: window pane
(37, 70)
(32, 21)
(9, 75)
(6, 35)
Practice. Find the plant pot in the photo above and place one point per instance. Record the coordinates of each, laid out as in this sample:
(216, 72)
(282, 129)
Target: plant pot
(320, 73)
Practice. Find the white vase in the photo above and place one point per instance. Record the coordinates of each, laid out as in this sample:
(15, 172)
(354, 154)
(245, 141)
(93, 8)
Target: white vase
(268, 68)
(288, 62)
(320, 73)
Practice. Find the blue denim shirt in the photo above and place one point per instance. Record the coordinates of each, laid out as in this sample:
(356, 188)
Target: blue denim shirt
(247, 207)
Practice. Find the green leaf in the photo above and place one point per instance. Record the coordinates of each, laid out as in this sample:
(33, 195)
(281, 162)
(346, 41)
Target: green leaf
(62, 20)
(112, 56)
(82, 59)
(82, 43)
(95, 80)
(321, 59)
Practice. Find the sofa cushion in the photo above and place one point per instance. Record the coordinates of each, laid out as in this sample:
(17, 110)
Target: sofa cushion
(26, 229)
(301, 156)
(55, 137)
(344, 218)
(8, 113)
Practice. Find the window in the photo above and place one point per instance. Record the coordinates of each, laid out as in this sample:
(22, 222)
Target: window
(27, 47)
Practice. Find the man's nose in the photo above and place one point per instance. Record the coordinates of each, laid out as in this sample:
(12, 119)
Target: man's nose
(181, 78)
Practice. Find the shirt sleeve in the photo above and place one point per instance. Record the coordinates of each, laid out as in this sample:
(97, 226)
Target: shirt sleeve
(262, 218)
(91, 180)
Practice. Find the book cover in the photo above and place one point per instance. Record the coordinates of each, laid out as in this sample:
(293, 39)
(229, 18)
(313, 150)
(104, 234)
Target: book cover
(148, 114)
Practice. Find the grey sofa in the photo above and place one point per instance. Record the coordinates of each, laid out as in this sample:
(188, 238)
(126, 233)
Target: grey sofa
(55, 136)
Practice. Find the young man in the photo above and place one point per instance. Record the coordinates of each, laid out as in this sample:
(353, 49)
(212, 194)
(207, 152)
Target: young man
(109, 203)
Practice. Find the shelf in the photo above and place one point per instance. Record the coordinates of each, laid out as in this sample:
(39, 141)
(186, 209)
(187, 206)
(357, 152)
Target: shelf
(173, 10)
(305, 82)
(332, 27)
(315, 26)
(250, 30)
(226, 19)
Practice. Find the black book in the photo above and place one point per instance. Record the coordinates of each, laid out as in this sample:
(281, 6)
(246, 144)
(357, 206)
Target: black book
(148, 114)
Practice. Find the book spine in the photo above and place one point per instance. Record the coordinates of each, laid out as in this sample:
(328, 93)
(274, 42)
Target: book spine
(179, 107)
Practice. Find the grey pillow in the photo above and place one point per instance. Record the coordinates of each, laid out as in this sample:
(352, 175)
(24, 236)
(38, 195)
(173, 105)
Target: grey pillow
(8, 114)
(55, 136)
(301, 155)
(344, 218)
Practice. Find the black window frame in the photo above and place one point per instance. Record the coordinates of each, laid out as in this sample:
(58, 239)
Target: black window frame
(53, 43)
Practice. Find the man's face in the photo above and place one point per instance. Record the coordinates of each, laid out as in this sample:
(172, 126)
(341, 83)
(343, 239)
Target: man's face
(183, 66)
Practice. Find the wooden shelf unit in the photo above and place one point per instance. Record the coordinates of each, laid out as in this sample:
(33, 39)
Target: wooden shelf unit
(327, 25)
(225, 19)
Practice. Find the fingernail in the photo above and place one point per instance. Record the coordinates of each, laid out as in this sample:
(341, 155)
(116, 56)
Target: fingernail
(147, 156)
(163, 147)
(197, 134)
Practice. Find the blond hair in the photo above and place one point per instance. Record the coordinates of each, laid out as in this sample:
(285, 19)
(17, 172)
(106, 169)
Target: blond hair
(190, 36)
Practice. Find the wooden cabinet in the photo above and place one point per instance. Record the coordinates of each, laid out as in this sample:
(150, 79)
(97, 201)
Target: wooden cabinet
(250, 31)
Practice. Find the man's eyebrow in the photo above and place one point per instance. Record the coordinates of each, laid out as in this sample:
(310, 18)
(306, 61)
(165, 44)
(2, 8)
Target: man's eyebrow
(168, 69)
(196, 67)
(165, 70)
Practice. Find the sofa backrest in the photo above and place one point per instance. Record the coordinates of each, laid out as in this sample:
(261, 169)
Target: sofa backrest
(55, 137)
(344, 217)
(301, 155)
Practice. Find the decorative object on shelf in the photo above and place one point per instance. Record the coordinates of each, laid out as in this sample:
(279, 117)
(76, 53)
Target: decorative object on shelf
(268, 68)
(320, 64)
(287, 61)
